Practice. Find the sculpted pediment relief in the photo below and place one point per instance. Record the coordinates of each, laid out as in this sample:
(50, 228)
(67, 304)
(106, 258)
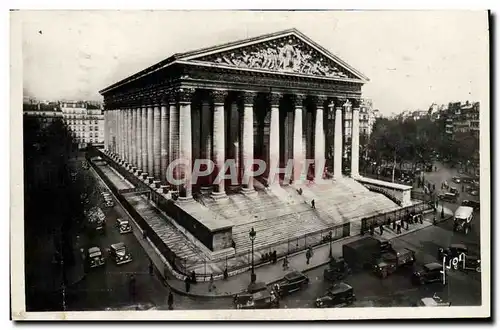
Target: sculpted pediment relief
(288, 54)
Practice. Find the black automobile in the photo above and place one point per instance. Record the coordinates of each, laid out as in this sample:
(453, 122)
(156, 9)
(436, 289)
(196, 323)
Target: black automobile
(337, 270)
(339, 295)
(453, 251)
(448, 197)
(430, 273)
(293, 281)
(474, 204)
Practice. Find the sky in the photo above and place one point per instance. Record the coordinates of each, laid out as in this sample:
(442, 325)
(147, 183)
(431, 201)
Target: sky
(412, 58)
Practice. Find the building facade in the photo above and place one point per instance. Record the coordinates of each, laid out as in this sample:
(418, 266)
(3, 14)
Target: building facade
(85, 120)
(462, 118)
(45, 113)
(279, 98)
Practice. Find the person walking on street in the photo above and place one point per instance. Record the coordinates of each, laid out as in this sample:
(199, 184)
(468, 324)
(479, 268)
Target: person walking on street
(187, 282)
(151, 268)
(170, 301)
(225, 273)
(381, 230)
(285, 263)
(313, 204)
(132, 287)
(399, 229)
(211, 283)
(308, 256)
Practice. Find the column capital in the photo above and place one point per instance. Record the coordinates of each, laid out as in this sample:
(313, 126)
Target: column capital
(219, 96)
(184, 95)
(298, 99)
(248, 98)
(274, 98)
(320, 101)
(339, 102)
(356, 103)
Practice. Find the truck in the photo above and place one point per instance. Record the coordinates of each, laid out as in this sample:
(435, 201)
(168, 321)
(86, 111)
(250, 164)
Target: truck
(362, 254)
(463, 218)
(389, 262)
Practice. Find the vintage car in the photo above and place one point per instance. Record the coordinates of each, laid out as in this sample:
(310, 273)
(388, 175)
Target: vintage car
(337, 270)
(474, 204)
(389, 262)
(339, 295)
(94, 257)
(123, 226)
(454, 191)
(428, 274)
(474, 192)
(291, 282)
(448, 197)
(453, 251)
(461, 252)
(456, 179)
(433, 301)
(261, 299)
(462, 219)
(119, 253)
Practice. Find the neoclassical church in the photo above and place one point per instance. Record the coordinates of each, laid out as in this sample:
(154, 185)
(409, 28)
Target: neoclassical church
(276, 97)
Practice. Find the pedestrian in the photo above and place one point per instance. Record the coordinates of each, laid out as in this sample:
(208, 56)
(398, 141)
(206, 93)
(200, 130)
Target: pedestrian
(151, 269)
(275, 257)
(421, 218)
(170, 301)
(399, 229)
(388, 221)
(394, 225)
(308, 256)
(211, 283)
(313, 204)
(225, 274)
(193, 277)
(132, 286)
(285, 263)
(233, 244)
(381, 229)
(434, 221)
(433, 187)
(187, 282)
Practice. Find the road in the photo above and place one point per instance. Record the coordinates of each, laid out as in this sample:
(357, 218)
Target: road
(397, 290)
(108, 287)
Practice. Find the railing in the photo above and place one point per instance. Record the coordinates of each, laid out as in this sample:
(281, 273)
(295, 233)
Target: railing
(242, 261)
(396, 215)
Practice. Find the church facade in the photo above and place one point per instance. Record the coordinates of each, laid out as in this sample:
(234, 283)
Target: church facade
(276, 98)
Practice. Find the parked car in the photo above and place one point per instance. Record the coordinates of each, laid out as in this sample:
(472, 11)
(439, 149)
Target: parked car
(123, 226)
(454, 191)
(474, 204)
(340, 294)
(430, 273)
(456, 179)
(337, 270)
(291, 282)
(391, 261)
(94, 257)
(474, 192)
(119, 253)
(448, 197)
(260, 297)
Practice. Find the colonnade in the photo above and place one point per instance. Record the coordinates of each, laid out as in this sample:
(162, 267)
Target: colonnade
(147, 138)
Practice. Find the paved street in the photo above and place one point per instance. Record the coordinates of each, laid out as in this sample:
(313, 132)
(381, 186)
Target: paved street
(108, 287)
(397, 290)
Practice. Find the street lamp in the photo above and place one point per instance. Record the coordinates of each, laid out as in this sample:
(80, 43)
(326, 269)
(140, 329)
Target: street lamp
(331, 236)
(253, 277)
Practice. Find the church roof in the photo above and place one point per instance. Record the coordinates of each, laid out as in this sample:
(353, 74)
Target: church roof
(264, 53)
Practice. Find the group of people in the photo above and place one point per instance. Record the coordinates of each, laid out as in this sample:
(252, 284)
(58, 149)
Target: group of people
(407, 220)
(270, 256)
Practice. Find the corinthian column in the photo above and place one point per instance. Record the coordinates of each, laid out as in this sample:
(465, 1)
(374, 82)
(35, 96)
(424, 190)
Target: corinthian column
(156, 142)
(337, 160)
(122, 134)
(139, 138)
(206, 141)
(134, 137)
(164, 143)
(219, 98)
(355, 140)
(144, 138)
(150, 140)
(274, 139)
(319, 141)
(247, 143)
(106, 128)
(185, 140)
(173, 134)
(298, 147)
(128, 131)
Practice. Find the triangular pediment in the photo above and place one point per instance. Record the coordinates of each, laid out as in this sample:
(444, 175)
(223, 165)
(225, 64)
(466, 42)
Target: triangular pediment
(287, 53)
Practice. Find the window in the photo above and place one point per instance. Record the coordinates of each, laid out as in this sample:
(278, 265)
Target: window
(96, 128)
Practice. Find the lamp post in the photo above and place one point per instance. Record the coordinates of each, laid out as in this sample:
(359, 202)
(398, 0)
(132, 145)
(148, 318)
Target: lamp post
(331, 236)
(253, 277)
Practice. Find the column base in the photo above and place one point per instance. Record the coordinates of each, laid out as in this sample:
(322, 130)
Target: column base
(155, 184)
(248, 191)
(149, 179)
(355, 175)
(184, 199)
(206, 190)
(219, 195)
